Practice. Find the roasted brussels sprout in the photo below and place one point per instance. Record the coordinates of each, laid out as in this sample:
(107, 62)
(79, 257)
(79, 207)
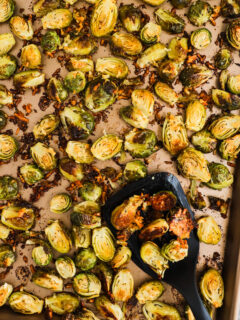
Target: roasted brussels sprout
(204, 141)
(3, 119)
(21, 28)
(131, 17)
(75, 81)
(4, 232)
(196, 116)
(61, 303)
(87, 285)
(104, 17)
(5, 291)
(103, 244)
(122, 257)
(154, 2)
(157, 309)
(86, 259)
(225, 100)
(105, 274)
(18, 217)
(86, 314)
(169, 21)
(42, 7)
(195, 75)
(79, 151)
(31, 56)
(28, 79)
(199, 13)
(7, 8)
(223, 59)
(109, 310)
(8, 188)
(112, 67)
(57, 19)
(221, 177)
(195, 197)
(150, 33)
(168, 70)
(82, 237)
(155, 229)
(175, 250)
(125, 44)
(180, 223)
(201, 38)
(230, 148)
(82, 64)
(60, 203)
(208, 231)
(47, 279)
(71, 170)
(41, 253)
(192, 164)
(233, 84)
(212, 288)
(223, 79)
(65, 267)
(135, 116)
(56, 90)
(178, 49)
(86, 214)
(180, 4)
(78, 46)
(50, 41)
(8, 147)
(232, 34)
(7, 42)
(163, 201)
(230, 8)
(174, 134)
(90, 191)
(225, 127)
(25, 303)
(45, 126)
(135, 170)
(152, 55)
(6, 96)
(123, 285)
(8, 65)
(106, 147)
(149, 291)
(58, 237)
(7, 256)
(44, 156)
(143, 99)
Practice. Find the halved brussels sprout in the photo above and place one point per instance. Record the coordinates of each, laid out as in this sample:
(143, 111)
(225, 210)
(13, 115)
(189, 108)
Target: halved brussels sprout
(57, 19)
(8, 188)
(87, 285)
(109, 310)
(232, 33)
(131, 17)
(233, 84)
(155, 229)
(169, 21)
(82, 237)
(60, 203)
(154, 310)
(180, 223)
(65, 267)
(106, 147)
(4, 232)
(47, 279)
(61, 303)
(18, 217)
(221, 177)
(50, 41)
(150, 33)
(28, 79)
(208, 231)
(135, 170)
(223, 59)
(230, 148)
(175, 250)
(201, 38)
(7, 42)
(149, 291)
(31, 56)
(196, 116)
(86, 314)
(230, 8)
(58, 237)
(41, 253)
(105, 274)
(71, 170)
(168, 70)
(204, 141)
(180, 4)
(103, 243)
(123, 285)
(42, 7)
(7, 256)
(104, 17)
(86, 259)
(223, 79)
(25, 303)
(45, 126)
(8, 65)
(112, 67)
(3, 119)
(225, 127)
(225, 100)
(192, 164)
(152, 55)
(135, 116)
(21, 28)
(121, 258)
(90, 191)
(140, 143)
(82, 64)
(151, 255)
(5, 291)
(212, 288)
(163, 201)
(7, 8)
(199, 13)
(143, 99)
(79, 46)
(75, 81)
(79, 151)
(195, 197)
(125, 44)
(195, 75)
(8, 147)
(56, 90)
(86, 214)
(6, 96)
(174, 134)
(178, 49)
(44, 156)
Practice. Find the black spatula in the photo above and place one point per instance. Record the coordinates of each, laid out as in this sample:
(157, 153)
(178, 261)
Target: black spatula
(182, 274)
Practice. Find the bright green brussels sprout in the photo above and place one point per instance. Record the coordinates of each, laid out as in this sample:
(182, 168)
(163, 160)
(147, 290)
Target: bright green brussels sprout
(60, 203)
(169, 21)
(58, 237)
(123, 285)
(4, 232)
(208, 231)
(152, 55)
(50, 41)
(155, 229)
(65, 267)
(8, 65)
(221, 177)
(106, 147)
(7, 8)
(196, 116)
(75, 81)
(5, 291)
(87, 285)
(140, 143)
(122, 257)
(204, 141)
(31, 173)
(105, 274)
(45, 126)
(230, 148)
(41, 253)
(57, 19)
(166, 93)
(154, 310)
(195, 75)
(18, 217)
(8, 188)
(223, 59)
(174, 134)
(201, 38)
(225, 127)
(79, 151)
(8, 147)
(61, 303)
(86, 259)
(195, 197)
(150, 33)
(112, 67)
(225, 100)
(7, 256)
(192, 164)
(42, 7)
(21, 28)
(233, 84)
(71, 170)
(79, 46)
(199, 13)
(25, 303)
(104, 17)
(86, 214)
(180, 4)
(131, 17)
(151, 255)
(212, 288)
(135, 170)
(82, 237)
(168, 70)
(90, 191)
(103, 243)
(3, 119)
(175, 250)
(47, 279)
(56, 90)
(28, 79)
(178, 49)
(7, 42)
(109, 310)
(125, 44)
(44, 156)
(31, 56)
(149, 291)
(232, 34)
(6, 96)
(82, 64)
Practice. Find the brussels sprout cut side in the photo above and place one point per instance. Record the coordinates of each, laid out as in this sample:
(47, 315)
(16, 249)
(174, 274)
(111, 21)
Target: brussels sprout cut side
(123, 285)
(57, 19)
(150, 33)
(8, 188)
(199, 13)
(61, 303)
(18, 217)
(58, 237)
(106, 147)
(149, 291)
(7, 8)
(201, 38)
(208, 230)
(25, 303)
(60, 203)
(7, 256)
(5, 291)
(31, 57)
(220, 176)
(21, 28)
(232, 34)
(71, 170)
(87, 285)
(156, 309)
(65, 267)
(8, 65)
(7, 42)
(48, 280)
(45, 126)
(103, 244)
(106, 307)
(134, 170)
(169, 21)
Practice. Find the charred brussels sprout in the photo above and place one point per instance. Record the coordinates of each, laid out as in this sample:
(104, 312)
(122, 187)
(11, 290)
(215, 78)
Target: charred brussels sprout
(7, 256)
(65, 267)
(79, 151)
(71, 170)
(7, 8)
(5, 291)
(175, 250)
(44, 156)
(42, 7)
(57, 19)
(121, 258)
(152, 55)
(149, 291)
(140, 143)
(195, 75)
(56, 90)
(230, 148)
(150, 33)
(50, 41)
(223, 79)
(58, 237)
(86, 259)
(7, 42)
(155, 229)
(225, 100)
(82, 64)
(154, 310)
(8, 147)
(180, 4)
(225, 127)
(86, 314)
(31, 173)
(178, 49)
(25, 303)
(108, 309)
(169, 21)
(28, 79)
(112, 67)
(45, 126)
(42, 254)
(90, 191)
(125, 44)
(87, 285)
(103, 244)
(204, 141)
(196, 116)
(168, 70)
(8, 65)
(136, 117)
(199, 13)
(232, 34)
(174, 134)
(135, 170)
(82, 237)
(47, 279)
(18, 217)
(223, 59)
(75, 81)
(195, 197)
(21, 28)
(208, 231)
(78, 46)
(61, 303)
(105, 274)
(230, 8)
(8, 188)
(131, 17)
(106, 147)
(6, 96)
(3, 119)
(201, 38)
(212, 288)
(123, 285)
(163, 201)
(86, 214)
(220, 176)
(233, 84)
(31, 56)
(60, 203)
